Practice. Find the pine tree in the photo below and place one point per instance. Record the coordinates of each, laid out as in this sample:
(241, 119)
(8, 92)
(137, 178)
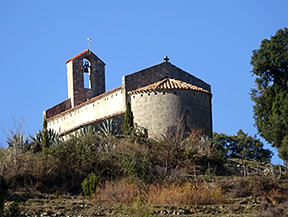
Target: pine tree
(270, 64)
(128, 120)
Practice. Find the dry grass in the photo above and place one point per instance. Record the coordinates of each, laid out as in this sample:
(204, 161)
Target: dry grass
(156, 194)
(249, 186)
(117, 193)
(185, 194)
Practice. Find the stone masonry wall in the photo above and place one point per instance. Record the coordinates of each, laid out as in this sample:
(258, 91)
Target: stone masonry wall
(61, 107)
(158, 73)
(108, 104)
(159, 111)
(76, 91)
(75, 78)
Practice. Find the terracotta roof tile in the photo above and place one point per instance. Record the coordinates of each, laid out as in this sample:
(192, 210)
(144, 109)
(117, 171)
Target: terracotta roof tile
(85, 51)
(168, 84)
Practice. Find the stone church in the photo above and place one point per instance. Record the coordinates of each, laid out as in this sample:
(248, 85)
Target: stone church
(161, 97)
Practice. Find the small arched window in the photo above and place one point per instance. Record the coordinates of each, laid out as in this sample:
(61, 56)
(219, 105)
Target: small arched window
(86, 73)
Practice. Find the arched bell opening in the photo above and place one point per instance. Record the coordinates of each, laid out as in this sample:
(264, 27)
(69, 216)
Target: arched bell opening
(86, 73)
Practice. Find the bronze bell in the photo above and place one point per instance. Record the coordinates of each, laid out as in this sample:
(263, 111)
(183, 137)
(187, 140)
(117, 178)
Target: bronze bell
(86, 67)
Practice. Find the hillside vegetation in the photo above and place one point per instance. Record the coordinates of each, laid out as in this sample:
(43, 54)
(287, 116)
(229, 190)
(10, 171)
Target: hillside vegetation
(104, 173)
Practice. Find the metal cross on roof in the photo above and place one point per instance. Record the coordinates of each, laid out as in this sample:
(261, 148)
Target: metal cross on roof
(89, 42)
(166, 59)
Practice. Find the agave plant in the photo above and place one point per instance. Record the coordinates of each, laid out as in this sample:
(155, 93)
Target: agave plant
(84, 131)
(19, 142)
(109, 127)
(37, 137)
(53, 138)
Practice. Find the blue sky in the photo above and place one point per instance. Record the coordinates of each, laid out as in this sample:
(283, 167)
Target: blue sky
(210, 39)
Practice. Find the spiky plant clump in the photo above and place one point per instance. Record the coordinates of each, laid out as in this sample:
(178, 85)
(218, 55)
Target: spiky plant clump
(86, 130)
(109, 127)
(37, 139)
(19, 142)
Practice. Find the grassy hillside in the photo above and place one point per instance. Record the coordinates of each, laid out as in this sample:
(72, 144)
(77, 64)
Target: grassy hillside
(135, 176)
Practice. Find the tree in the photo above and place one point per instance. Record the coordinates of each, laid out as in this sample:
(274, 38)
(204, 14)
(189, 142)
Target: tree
(16, 140)
(270, 66)
(242, 146)
(128, 120)
(45, 139)
(283, 152)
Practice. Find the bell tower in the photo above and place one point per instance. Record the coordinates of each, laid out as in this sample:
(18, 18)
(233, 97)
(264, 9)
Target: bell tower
(85, 76)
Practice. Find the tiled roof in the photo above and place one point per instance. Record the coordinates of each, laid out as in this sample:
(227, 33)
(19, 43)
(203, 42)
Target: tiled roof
(168, 84)
(85, 51)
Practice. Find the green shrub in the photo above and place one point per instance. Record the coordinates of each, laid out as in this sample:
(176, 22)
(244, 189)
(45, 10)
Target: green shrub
(90, 184)
(136, 165)
(3, 193)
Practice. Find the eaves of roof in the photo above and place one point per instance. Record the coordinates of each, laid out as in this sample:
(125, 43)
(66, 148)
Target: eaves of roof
(168, 84)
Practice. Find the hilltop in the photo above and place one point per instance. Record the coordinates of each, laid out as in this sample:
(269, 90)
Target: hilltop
(136, 176)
